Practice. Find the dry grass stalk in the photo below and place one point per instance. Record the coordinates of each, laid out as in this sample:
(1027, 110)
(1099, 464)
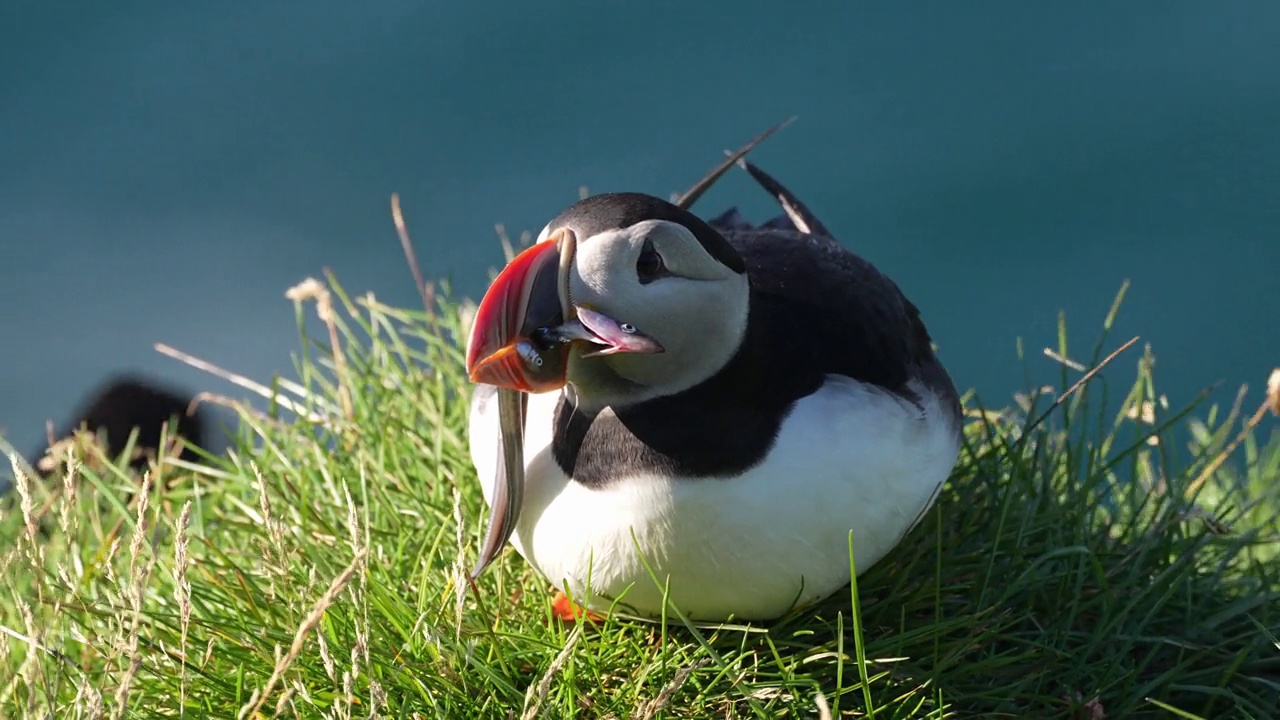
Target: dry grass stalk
(308, 624)
(650, 708)
(425, 289)
(59, 450)
(31, 662)
(312, 289)
(1090, 373)
(536, 694)
(377, 698)
(326, 658)
(353, 522)
(68, 518)
(1064, 360)
(223, 401)
(343, 709)
(23, 485)
(31, 667)
(134, 593)
(108, 563)
(182, 594)
(285, 697)
(274, 528)
(208, 653)
(1270, 403)
(252, 386)
(360, 593)
(88, 701)
(461, 579)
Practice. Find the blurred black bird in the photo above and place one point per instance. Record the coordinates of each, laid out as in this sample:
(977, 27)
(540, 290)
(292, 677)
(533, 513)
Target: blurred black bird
(121, 404)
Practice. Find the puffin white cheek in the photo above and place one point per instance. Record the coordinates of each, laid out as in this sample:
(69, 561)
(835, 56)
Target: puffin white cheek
(594, 279)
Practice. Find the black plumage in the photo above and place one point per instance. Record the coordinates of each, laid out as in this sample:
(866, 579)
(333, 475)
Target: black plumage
(125, 403)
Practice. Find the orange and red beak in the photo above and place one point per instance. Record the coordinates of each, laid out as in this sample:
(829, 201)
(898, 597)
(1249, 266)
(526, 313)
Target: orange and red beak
(531, 293)
(526, 323)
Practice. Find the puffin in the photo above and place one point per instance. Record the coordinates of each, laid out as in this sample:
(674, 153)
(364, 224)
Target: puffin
(128, 402)
(705, 414)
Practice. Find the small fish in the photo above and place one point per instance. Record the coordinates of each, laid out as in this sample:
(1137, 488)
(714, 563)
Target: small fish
(508, 489)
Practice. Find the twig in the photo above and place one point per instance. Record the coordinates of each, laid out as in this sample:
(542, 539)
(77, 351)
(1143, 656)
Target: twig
(1222, 456)
(1093, 371)
(222, 401)
(1052, 355)
(312, 620)
(1084, 379)
(324, 310)
(650, 708)
(238, 380)
(534, 699)
(426, 290)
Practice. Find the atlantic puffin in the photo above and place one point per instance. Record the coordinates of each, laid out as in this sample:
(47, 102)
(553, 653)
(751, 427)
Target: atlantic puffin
(127, 402)
(705, 410)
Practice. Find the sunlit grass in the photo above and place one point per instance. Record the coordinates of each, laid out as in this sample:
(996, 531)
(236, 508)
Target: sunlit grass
(1090, 565)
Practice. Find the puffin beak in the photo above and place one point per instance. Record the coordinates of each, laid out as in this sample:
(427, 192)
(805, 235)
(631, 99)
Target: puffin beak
(526, 324)
(530, 294)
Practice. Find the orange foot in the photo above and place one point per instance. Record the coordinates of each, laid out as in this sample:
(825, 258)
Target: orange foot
(565, 609)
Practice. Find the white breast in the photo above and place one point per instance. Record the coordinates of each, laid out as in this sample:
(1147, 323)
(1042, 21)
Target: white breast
(849, 457)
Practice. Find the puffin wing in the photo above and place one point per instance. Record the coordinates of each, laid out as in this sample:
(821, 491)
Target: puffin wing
(839, 310)
(824, 302)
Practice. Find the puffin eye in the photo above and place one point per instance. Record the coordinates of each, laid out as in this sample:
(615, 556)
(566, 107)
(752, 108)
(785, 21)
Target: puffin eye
(649, 265)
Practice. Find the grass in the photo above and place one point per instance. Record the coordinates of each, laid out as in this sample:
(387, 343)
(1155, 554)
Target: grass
(1085, 561)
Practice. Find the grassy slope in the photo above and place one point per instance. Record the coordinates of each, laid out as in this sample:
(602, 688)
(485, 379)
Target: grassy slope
(1062, 574)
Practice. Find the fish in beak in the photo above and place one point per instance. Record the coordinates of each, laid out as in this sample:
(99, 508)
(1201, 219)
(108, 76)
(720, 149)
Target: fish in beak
(524, 330)
(530, 294)
(527, 323)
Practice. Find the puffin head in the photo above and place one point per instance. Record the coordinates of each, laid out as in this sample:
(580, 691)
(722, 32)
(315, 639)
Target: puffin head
(625, 297)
